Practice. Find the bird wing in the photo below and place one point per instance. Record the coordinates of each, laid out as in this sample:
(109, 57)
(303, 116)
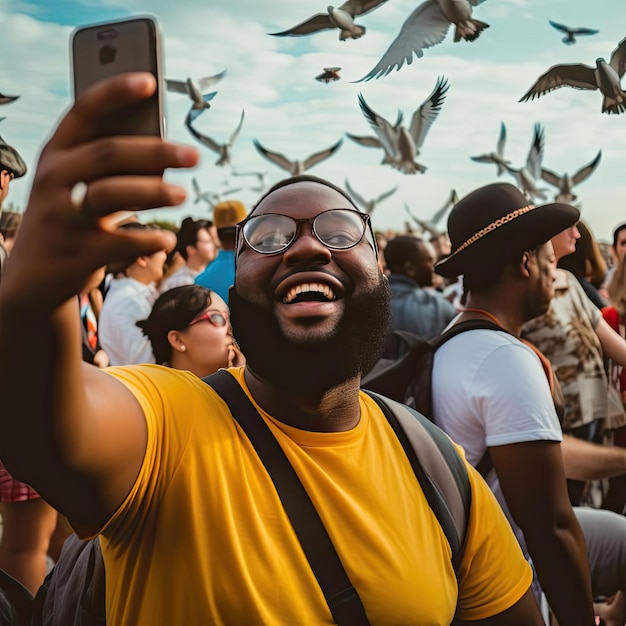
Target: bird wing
(575, 75)
(359, 199)
(385, 195)
(176, 86)
(205, 140)
(585, 172)
(501, 140)
(424, 28)
(320, 156)
(321, 21)
(535, 154)
(551, 177)
(332, 69)
(618, 58)
(208, 81)
(423, 224)
(483, 158)
(428, 111)
(585, 31)
(360, 7)
(450, 202)
(370, 142)
(385, 132)
(475, 3)
(275, 157)
(237, 130)
(561, 27)
(196, 186)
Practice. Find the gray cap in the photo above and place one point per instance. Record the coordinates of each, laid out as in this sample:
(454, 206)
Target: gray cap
(11, 160)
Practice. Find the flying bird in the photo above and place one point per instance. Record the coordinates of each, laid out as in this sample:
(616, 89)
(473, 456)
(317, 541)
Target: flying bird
(604, 76)
(496, 157)
(369, 205)
(211, 198)
(336, 17)
(295, 168)
(329, 74)
(565, 183)
(427, 26)
(260, 176)
(402, 145)
(224, 150)
(430, 226)
(4, 99)
(375, 142)
(196, 91)
(571, 33)
(528, 175)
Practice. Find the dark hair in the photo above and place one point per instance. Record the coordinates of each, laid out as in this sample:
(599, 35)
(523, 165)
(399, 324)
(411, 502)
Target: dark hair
(616, 232)
(188, 234)
(173, 310)
(398, 250)
(586, 258)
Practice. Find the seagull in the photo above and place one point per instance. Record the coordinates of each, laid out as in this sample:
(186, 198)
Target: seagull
(336, 17)
(496, 157)
(261, 177)
(369, 205)
(223, 149)
(203, 196)
(295, 168)
(605, 76)
(427, 26)
(566, 182)
(196, 91)
(528, 175)
(375, 142)
(402, 143)
(570, 33)
(430, 226)
(4, 99)
(329, 74)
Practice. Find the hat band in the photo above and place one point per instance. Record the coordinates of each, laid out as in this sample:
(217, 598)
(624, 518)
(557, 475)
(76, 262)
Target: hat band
(490, 227)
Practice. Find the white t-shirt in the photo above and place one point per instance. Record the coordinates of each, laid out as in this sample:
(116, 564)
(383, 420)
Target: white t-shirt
(489, 389)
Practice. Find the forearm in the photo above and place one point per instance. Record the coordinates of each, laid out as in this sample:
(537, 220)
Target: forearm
(560, 559)
(584, 460)
(613, 345)
(40, 355)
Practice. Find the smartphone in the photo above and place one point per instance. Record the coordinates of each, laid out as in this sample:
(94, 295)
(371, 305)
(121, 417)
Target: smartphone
(99, 51)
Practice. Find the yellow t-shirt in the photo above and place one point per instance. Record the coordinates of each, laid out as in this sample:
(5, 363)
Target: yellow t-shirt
(203, 539)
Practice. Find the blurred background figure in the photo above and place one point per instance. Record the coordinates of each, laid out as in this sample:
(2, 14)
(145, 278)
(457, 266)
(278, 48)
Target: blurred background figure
(195, 245)
(220, 274)
(189, 329)
(9, 223)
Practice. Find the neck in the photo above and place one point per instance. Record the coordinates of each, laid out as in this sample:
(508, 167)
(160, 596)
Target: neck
(196, 265)
(509, 317)
(335, 410)
(139, 275)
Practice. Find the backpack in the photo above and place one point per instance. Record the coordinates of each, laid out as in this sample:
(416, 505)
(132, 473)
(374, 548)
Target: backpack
(73, 593)
(15, 602)
(405, 369)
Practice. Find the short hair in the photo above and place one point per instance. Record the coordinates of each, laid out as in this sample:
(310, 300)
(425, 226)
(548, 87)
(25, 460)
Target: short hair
(398, 250)
(616, 232)
(174, 309)
(188, 234)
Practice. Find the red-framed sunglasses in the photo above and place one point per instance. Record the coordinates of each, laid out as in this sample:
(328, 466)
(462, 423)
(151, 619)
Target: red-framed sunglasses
(214, 317)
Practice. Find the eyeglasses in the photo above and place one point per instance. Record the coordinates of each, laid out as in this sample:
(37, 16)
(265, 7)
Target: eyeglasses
(215, 318)
(337, 229)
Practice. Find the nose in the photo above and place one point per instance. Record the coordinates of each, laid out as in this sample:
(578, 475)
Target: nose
(307, 248)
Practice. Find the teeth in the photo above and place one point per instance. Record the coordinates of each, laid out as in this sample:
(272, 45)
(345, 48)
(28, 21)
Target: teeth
(325, 290)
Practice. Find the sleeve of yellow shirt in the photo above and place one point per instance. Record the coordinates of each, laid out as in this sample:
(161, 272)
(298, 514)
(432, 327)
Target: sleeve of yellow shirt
(494, 574)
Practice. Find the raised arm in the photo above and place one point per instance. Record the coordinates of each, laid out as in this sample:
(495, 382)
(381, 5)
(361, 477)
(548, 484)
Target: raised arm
(613, 345)
(73, 432)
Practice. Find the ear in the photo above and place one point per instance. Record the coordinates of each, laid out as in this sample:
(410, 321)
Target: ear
(525, 264)
(176, 341)
(142, 261)
(409, 269)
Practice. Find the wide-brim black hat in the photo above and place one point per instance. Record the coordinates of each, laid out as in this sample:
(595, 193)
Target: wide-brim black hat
(498, 220)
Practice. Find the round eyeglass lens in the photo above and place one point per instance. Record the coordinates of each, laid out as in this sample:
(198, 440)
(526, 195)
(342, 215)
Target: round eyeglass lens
(269, 233)
(339, 228)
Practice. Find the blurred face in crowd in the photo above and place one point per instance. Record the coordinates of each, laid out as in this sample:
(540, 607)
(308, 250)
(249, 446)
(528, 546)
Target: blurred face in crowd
(205, 246)
(565, 242)
(541, 265)
(620, 245)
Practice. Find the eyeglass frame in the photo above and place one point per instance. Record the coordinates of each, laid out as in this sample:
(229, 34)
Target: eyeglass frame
(365, 217)
(206, 316)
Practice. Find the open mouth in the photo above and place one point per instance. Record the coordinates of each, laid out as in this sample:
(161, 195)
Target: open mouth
(309, 292)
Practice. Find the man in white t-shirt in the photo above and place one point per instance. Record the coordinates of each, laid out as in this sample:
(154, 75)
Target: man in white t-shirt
(491, 392)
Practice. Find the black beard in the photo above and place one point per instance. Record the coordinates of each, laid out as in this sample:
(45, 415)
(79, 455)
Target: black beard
(313, 368)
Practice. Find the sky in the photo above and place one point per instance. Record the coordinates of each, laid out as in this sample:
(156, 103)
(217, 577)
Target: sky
(288, 111)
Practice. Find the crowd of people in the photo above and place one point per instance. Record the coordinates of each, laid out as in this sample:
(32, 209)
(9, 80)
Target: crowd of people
(116, 323)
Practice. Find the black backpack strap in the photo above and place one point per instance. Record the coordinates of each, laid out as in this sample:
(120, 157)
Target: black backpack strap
(438, 467)
(343, 600)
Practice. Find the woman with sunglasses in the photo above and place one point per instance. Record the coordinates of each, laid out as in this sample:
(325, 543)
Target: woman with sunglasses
(188, 329)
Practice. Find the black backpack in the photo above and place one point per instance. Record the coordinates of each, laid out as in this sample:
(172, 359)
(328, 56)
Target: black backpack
(404, 371)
